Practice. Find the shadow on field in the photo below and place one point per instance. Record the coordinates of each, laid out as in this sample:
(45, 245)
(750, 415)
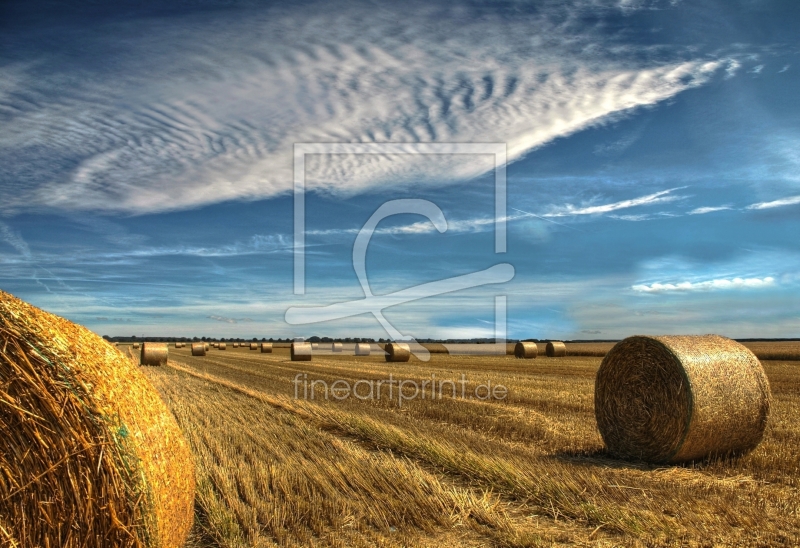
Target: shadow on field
(601, 457)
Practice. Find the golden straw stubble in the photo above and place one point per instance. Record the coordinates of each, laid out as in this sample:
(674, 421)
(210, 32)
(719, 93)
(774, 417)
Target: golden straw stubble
(105, 464)
(680, 398)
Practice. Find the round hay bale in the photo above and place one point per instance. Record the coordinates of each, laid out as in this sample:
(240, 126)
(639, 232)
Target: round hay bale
(336, 347)
(680, 398)
(198, 349)
(207, 347)
(222, 346)
(254, 346)
(301, 352)
(314, 346)
(555, 349)
(363, 349)
(136, 346)
(266, 348)
(236, 345)
(526, 350)
(89, 454)
(154, 354)
(397, 352)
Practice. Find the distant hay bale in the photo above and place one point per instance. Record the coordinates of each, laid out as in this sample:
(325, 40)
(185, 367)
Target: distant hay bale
(136, 346)
(679, 398)
(236, 345)
(198, 349)
(363, 349)
(336, 347)
(207, 347)
(89, 454)
(154, 354)
(222, 346)
(397, 352)
(266, 348)
(253, 346)
(314, 346)
(301, 352)
(526, 350)
(556, 349)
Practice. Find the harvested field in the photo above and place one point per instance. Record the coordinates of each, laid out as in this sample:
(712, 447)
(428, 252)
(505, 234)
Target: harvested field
(528, 470)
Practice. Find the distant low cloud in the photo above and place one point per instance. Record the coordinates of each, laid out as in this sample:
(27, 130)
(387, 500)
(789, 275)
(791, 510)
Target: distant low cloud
(791, 200)
(223, 319)
(721, 284)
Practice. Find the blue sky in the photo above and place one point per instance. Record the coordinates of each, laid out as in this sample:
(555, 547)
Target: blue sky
(653, 174)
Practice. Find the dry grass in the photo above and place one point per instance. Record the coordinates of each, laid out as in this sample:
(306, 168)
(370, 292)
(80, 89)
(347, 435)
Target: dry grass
(528, 471)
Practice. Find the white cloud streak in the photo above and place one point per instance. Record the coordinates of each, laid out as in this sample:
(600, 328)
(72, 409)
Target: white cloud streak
(704, 210)
(791, 200)
(220, 124)
(660, 197)
(709, 285)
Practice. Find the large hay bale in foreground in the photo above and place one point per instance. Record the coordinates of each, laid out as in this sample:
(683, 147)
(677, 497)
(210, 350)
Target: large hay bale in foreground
(555, 349)
(526, 350)
(90, 456)
(154, 354)
(397, 352)
(363, 349)
(301, 352)
(266, 348)
(198, 349)
(680, 398)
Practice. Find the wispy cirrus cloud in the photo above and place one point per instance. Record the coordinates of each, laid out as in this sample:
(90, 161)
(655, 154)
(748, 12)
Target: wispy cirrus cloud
(791, 200)
(708, 285)
(709, 209)
(153, 129)
(660, 197)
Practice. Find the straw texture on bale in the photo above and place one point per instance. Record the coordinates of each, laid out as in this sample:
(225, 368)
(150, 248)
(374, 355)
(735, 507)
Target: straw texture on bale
(90, 456)
(222, 346)
(336, 347)
(555, 349)
(681, 398)
(397, 352)
(526, 350)
(362, 349)
(266, 348)
(301, 352)
(198, 349)
(154, 354)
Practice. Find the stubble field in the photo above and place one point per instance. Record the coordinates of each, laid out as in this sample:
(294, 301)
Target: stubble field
(526, 470)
